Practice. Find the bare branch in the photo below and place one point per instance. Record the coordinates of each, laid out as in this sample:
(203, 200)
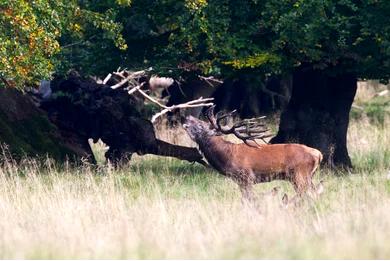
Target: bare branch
(382, 93)
(138, 89)
(211, 80)
(108, 77)
(130, 78)
(191, 104)
(131, 81)
(272, 94)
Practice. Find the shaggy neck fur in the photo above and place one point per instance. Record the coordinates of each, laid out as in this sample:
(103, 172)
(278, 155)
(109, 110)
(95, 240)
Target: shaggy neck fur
(216, 150)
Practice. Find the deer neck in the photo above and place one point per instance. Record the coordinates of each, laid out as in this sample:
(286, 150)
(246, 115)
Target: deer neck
(217, 151)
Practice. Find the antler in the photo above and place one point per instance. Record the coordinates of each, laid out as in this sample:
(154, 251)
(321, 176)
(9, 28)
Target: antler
(246, 130)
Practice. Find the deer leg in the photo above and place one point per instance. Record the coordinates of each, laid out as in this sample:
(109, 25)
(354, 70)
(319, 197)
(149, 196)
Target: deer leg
(302, 184)
(245, 180)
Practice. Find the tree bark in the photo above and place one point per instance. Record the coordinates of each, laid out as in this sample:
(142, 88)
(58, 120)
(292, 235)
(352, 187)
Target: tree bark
(159, 148)
(318, 114)
(139, 136)
(180, 152)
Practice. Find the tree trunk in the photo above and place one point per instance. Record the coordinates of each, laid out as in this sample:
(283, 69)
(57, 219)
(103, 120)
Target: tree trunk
(318, 114)
(159, 148)
(27, 131)
(171, 150)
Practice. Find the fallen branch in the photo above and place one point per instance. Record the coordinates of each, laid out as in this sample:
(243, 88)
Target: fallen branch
(272, 93)
(191, 104)
(148, 97)
(108, 77)
(211, 81)
(200, 102)
(130, 78)
(133, 86)
(382, 93)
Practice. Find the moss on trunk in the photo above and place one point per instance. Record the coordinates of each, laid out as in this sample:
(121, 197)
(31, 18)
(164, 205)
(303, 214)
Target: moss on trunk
(26, 130)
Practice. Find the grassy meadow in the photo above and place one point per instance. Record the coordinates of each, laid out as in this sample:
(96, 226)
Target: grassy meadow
(164, 208)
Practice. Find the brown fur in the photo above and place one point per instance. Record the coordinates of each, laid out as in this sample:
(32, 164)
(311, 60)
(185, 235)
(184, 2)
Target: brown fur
(248, 165)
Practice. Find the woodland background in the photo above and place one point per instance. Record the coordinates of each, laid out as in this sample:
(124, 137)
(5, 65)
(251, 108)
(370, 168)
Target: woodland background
(318, 69)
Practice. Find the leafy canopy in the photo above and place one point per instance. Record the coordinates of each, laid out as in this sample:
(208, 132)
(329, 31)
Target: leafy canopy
(33, 33)
(279, 35)
(212, 36)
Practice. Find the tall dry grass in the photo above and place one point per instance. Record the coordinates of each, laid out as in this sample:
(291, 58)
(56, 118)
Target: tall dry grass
(163, 208)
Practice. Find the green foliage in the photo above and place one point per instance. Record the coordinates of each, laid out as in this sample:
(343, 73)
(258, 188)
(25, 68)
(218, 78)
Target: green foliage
(213, 37)
(352, 36)
(254, 61)
(28, 35)
(32, 33)
(130, 209)
(378, 109)
(94, 41)
(268, 37)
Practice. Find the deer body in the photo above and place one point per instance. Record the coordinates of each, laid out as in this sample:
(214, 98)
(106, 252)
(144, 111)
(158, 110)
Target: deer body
(248, 165)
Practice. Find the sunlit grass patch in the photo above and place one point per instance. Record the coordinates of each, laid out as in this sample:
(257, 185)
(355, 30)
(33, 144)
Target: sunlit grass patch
(156, 207)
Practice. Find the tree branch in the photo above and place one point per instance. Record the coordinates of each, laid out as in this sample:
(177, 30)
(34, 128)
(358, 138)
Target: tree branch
(135, 87)
(5, 81)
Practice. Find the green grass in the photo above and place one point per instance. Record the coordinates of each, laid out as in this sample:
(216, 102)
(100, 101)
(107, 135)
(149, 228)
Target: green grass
(164, 208)
(369, 105)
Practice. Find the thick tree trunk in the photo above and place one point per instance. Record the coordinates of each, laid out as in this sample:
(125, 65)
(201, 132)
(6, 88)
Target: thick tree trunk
(159, 148)
(318, 114)
(171, 150)
(27, 131)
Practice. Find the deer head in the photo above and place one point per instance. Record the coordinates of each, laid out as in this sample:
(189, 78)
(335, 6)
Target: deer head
(198, 129)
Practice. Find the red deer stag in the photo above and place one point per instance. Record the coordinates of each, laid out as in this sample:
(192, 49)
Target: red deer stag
(249, 163)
